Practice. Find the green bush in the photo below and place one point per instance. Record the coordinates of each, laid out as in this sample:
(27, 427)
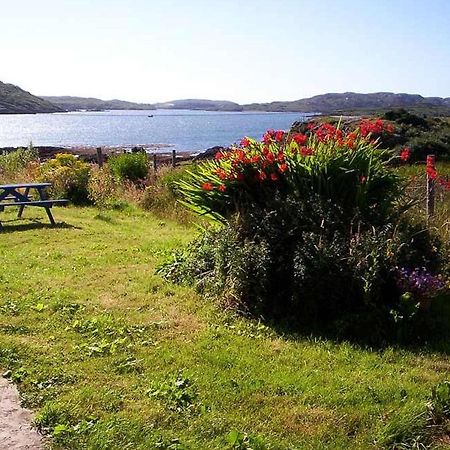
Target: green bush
(15, 162)
(129, 166)
(311, 228)
(69, 177)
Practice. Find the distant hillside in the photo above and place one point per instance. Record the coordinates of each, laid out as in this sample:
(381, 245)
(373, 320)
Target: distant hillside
(67, 103)
(14, 100)
(200, 104)
(353, 102)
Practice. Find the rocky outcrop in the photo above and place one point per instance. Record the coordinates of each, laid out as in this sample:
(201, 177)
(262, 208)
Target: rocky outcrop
(209, 153)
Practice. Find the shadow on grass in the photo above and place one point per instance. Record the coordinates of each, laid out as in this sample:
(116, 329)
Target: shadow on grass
(16, 225)
(430, 334)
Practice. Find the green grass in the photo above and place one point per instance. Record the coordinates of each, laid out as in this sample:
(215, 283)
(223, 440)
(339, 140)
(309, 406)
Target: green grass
(112, 357)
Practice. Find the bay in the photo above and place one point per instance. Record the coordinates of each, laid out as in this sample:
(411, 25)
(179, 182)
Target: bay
(155, 129)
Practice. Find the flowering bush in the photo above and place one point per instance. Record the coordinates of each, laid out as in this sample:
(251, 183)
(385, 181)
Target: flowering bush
(69, 177)
(311, 228)
(345, 168)
(420, 284)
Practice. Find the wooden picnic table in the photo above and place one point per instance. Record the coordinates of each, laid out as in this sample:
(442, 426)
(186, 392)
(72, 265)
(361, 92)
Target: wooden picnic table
(20, 195)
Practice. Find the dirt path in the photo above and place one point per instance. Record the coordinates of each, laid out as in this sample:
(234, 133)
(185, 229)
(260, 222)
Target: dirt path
(15, 431)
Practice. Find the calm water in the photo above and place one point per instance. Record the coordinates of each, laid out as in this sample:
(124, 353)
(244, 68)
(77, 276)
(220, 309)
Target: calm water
(182, 130)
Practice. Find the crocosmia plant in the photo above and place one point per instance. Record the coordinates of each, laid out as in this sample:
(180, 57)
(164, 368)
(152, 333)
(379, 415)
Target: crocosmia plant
(345, 167)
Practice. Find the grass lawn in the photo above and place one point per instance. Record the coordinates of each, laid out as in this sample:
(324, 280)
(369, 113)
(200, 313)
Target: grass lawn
(112, 357)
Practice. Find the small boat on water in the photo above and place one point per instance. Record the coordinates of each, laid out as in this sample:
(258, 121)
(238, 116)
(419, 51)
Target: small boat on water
(151, 115)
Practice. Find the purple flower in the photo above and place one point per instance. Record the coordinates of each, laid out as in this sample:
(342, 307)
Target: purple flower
(419, 282)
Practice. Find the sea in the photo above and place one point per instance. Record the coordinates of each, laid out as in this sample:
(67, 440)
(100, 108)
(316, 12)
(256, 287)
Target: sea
(155, 130)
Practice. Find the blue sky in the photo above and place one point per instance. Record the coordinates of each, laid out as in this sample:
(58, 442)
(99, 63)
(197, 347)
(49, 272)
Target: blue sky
(240, 50)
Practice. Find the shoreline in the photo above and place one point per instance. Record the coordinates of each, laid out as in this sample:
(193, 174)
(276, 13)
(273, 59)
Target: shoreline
(163, 152)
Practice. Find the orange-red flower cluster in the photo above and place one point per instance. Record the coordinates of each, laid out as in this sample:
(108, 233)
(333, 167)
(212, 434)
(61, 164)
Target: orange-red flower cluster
(432, 173)
(405, 154)
(367, 127)
(431, 169)
(271, 136)
(267, 162)
(327, 132)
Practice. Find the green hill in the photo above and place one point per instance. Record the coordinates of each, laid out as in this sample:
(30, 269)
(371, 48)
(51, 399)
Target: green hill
(68, 103)
(14, 100)
(351, 102)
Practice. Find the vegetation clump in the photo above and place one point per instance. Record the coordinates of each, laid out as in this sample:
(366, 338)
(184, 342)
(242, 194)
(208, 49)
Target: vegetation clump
(129, 166)
(69, 177)
(311, 227)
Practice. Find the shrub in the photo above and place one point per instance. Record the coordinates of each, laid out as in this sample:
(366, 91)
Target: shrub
(129, 166)
(309, 230)
(69, 177)
(102, 188)
(14, 164)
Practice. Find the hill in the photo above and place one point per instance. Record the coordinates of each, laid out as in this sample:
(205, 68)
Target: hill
(354, 102)
(14, 100)
(201, 105)
(68, 103)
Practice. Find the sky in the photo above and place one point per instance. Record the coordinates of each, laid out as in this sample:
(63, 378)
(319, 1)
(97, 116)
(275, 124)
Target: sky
(239, 50)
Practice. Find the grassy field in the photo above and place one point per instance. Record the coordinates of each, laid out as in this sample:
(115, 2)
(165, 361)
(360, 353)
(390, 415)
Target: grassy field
(112, 357)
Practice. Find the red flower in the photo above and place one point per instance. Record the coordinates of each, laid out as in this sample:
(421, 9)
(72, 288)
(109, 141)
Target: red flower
(279, 135)
(283, 167)
(362, 179)
(207, 187)
(270, 157)
(268, 136)
(219, 155)
(367, 127)
(280, 157)
(305, 151)
(300, 139)
(261, 176)
(255, 159)
(240, 177)
(432, 173)
(274, 176)
(405, 154)
(245, 142)
(222, 188)
(389, 128)
(221, 174)
(431, 170)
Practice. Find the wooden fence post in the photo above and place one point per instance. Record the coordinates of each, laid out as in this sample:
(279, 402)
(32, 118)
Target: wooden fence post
(99, 157)
(431, 164)
(155, 163)
(174, 158)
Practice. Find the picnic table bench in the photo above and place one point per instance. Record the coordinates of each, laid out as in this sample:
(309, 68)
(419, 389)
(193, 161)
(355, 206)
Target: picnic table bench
(12, 195)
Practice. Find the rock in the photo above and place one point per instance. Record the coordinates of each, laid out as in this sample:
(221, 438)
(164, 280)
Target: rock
(210, 153)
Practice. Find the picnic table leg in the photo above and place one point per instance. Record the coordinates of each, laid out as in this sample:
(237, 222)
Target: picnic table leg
(50, 216)
(43, 196)
(22, 207)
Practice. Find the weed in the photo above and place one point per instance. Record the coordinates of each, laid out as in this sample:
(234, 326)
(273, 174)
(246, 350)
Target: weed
(178, 395)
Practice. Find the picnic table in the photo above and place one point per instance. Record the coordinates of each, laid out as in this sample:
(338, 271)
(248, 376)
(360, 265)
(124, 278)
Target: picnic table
(21, 195)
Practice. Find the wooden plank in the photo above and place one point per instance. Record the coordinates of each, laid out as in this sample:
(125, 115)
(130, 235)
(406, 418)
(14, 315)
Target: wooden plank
(24, 185)
(22, 207)
(43, 203)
